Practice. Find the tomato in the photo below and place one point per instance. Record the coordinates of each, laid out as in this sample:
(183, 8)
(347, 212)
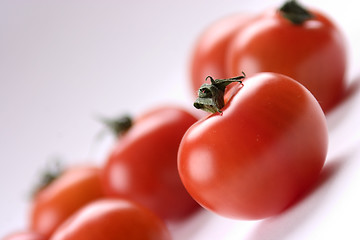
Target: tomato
(259, 153)
(312, 52)
(113, 219)
(24, 235)
(303, 44)
(143, 164)
(209, 54)
(52, 205)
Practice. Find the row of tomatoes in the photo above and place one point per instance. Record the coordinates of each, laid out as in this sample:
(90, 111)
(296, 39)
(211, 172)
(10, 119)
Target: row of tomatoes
(262, 146)
(133, 195)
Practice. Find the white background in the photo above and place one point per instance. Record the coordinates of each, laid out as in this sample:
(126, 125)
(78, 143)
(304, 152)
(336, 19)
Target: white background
(64, 62)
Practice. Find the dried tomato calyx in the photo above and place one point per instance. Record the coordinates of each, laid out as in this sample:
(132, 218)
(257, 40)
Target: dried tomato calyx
(118, 125)
(295, 13)
(211, 96)
(52, 171)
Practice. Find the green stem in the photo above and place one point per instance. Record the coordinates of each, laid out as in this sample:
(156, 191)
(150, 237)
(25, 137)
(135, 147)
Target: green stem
(211, 96)
(295, 13)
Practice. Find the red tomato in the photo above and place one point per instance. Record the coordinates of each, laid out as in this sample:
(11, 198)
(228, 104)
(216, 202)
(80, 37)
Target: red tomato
(112, 219)
(73, 189)
(312, 52)
(256, 157)
(208, 57)
(24, 235)
(143, 164)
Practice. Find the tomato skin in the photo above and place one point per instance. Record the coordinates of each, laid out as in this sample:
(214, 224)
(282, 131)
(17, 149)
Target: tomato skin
(24, 235)
(77, 186)
(143, 164)
(209, 54)
(260, 154)
(112, 219)
(313, 53)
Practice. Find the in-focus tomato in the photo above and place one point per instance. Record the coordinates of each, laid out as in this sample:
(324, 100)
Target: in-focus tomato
(24, 235)
(143, 164)
(113, 219)
(74, 188)
(311, 52)
(209, 54)
(260, 153)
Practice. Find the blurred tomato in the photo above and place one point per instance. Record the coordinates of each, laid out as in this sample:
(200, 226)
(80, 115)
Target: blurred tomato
(143, 164)
(313, 53)
(111, 219)
(209, 54)
(74, 188)
(301, 43)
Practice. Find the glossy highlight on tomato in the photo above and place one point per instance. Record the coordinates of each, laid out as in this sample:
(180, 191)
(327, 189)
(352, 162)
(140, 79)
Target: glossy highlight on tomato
(113, 219)
(142, 166)
(24, 235)
(56, 202)
(264, 149)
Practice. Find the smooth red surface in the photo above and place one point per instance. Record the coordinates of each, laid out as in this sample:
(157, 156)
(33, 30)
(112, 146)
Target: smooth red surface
(313, 53)
(257, 157)
(143, 164)
(111, 219)
(209, 53)
(76, 187)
